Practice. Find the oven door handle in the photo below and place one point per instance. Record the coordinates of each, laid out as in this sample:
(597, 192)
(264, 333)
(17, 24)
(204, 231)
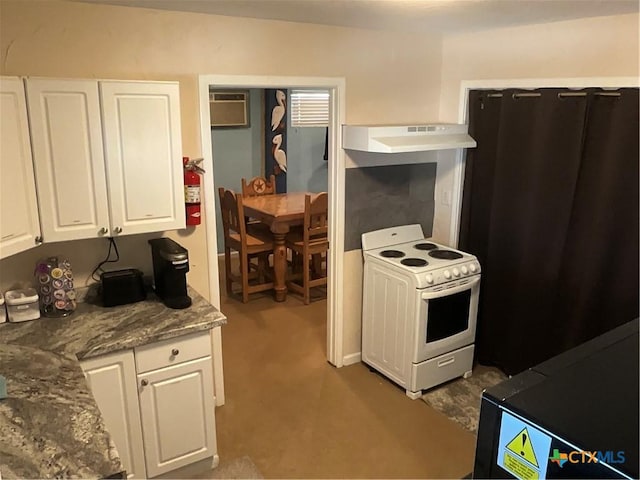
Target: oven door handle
(450, 291)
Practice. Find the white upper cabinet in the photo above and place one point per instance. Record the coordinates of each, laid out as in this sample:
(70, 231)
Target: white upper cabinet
(142, 139)
(66, 135)
(19, 225)
(107, 156)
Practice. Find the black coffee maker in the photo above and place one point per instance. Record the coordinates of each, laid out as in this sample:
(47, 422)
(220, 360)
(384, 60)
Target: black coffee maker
(170, 267)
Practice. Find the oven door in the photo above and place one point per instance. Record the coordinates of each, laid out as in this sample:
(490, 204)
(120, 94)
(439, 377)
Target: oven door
(446, 318)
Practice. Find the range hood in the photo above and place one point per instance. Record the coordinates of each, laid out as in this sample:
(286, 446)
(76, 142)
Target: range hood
(405, 138)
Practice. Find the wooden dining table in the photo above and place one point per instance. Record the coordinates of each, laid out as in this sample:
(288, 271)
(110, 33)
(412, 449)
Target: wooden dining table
(280, 211)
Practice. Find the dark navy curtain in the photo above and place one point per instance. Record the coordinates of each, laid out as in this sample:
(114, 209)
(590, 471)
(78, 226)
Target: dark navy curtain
(550, 208)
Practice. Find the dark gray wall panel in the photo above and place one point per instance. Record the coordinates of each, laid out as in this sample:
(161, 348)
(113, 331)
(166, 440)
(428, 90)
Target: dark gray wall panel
(382, 197)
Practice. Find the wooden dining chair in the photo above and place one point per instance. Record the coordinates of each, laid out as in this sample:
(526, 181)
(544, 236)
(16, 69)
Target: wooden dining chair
(251, 242)
(311, 243)
(256, 187)
(259, 186)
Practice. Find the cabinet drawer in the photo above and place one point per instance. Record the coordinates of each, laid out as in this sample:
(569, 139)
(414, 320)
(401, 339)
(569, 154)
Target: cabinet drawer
(173, 351)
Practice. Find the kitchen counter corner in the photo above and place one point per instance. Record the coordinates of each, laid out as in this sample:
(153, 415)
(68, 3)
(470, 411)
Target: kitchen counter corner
(94, 330)
(50, 424)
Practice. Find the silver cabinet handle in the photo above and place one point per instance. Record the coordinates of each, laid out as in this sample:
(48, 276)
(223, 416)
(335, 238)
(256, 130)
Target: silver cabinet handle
(38, 240)
(144, 382)
(103, 231)
(117, 229)
(175, 352)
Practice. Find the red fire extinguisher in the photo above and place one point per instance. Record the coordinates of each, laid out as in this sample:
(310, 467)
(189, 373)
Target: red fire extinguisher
(192, 189)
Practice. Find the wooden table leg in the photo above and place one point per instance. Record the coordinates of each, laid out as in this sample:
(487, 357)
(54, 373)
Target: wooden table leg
(279, 266)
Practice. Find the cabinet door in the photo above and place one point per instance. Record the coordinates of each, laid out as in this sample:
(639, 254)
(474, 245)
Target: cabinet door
(19, 225)
(112, 379)
(68, 158)
(177, 410)
(143, 155)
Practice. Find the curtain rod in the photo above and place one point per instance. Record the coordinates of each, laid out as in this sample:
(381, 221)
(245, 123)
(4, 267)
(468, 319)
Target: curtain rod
(572, 94)
(560, 95)
(584, 94)
(608, 94)
(525, 95)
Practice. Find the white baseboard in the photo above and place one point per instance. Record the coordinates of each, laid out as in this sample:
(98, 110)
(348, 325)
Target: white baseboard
(352, 359)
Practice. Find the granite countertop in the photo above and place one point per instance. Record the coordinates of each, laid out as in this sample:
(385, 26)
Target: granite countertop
(50, 424)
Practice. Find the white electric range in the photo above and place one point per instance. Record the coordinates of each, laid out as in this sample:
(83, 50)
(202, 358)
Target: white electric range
(420, 303)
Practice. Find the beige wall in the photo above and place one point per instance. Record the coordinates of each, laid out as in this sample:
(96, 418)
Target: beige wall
(390, 77)
(592, 47)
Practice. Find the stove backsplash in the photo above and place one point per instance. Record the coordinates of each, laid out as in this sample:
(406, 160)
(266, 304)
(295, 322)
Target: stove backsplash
(382, 197)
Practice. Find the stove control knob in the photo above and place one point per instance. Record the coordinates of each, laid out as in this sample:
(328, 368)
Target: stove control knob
(473, 268)
(464, 270)
(447, 274)
(429, 278)
(456, 272)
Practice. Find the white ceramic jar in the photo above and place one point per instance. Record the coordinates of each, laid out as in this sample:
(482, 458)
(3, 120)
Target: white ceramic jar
(22, 305)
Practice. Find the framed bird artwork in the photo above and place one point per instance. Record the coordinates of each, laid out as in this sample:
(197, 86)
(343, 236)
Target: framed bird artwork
(276, 136)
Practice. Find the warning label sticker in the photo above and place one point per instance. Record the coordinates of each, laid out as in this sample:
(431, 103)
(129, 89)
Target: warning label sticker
(523, 450)
(521, 445)
(518, 468)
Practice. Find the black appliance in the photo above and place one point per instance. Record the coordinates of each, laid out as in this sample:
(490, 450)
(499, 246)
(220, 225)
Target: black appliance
(573, 416)
(122, 287)
(170, 267)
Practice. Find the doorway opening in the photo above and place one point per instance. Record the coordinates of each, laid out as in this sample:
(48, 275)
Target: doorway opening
(335, 188)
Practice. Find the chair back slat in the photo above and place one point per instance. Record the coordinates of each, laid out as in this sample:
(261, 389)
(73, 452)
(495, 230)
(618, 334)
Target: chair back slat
(316, 217)
(224, 210)
(232, 210)
(259, 186)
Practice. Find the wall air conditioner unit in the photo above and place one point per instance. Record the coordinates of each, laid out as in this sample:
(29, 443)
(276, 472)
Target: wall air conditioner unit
(405, 138)
(229, 108)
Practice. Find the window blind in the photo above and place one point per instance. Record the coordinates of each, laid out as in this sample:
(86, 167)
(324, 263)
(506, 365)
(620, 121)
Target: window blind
(309, 108)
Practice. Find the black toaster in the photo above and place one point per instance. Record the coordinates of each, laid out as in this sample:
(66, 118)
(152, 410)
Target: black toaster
(121, 287)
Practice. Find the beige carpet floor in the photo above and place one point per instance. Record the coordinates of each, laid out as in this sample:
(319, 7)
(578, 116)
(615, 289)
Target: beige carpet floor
(296, 416)
(459, 399)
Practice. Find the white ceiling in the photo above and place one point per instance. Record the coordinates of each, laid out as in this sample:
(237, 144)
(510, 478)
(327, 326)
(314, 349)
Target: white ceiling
(409, 15)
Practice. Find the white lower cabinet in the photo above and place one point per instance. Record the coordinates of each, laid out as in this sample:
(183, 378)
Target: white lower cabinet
(177, 415)
(161, 415)
(112, 379)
